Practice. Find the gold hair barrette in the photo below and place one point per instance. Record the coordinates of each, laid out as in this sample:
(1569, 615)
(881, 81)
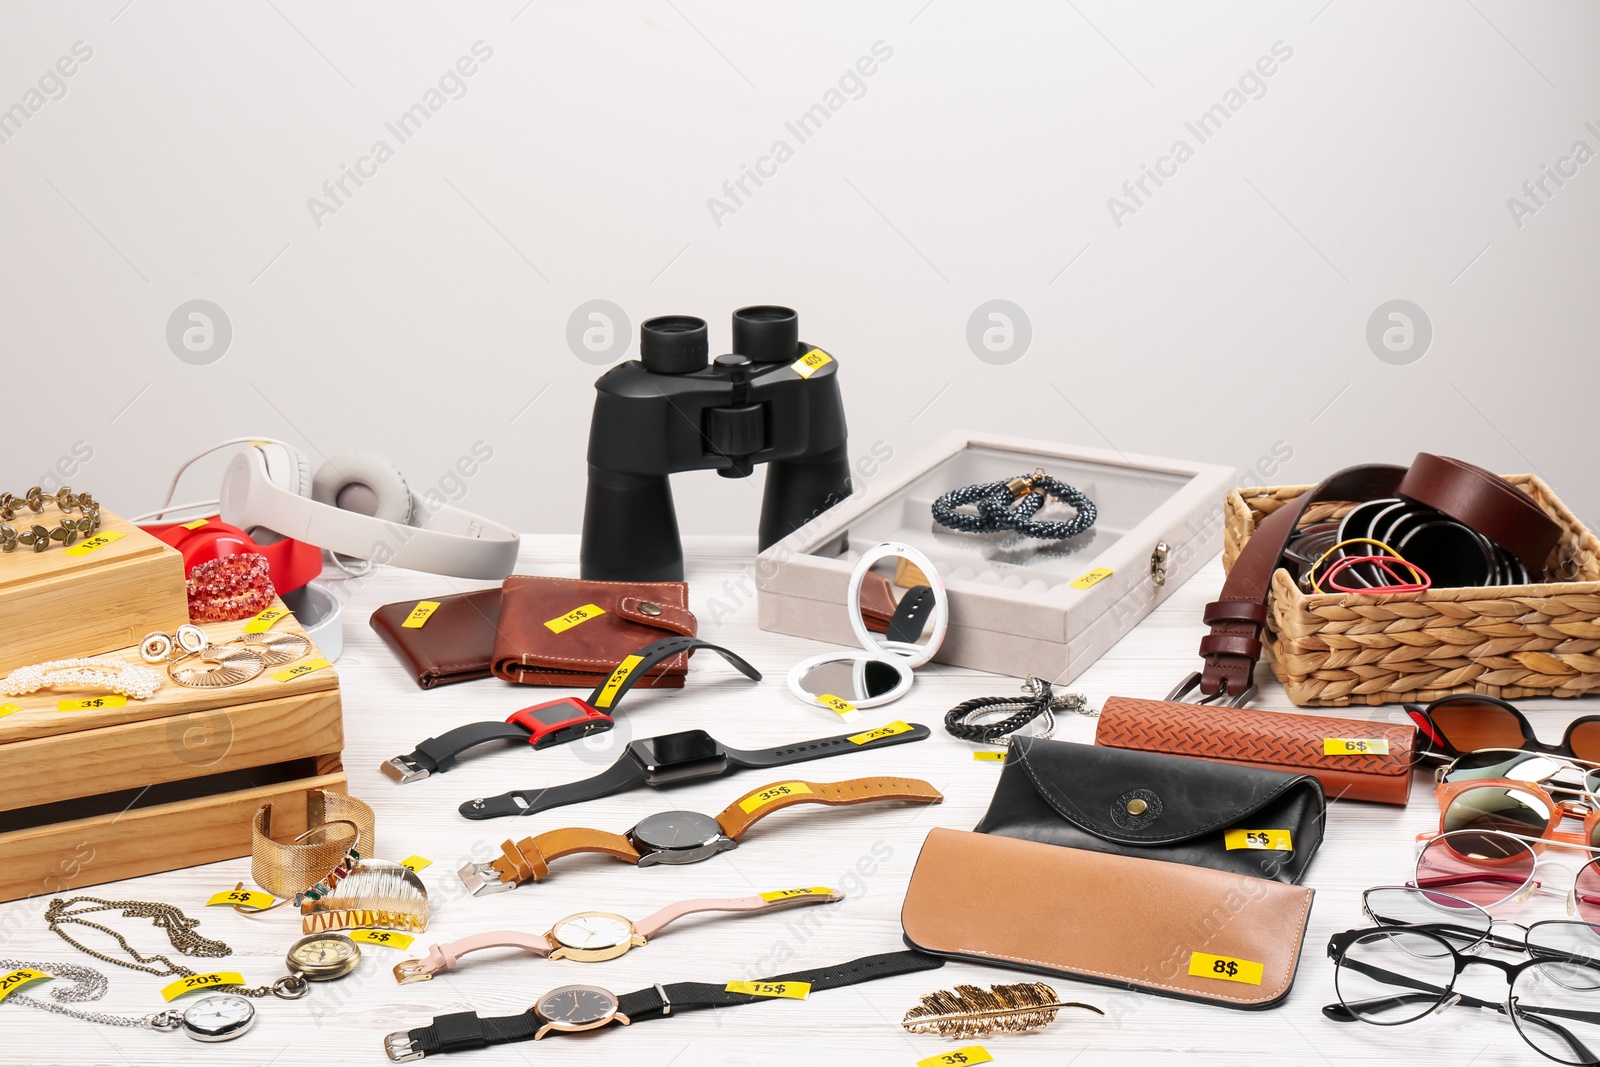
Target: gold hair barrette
(971, 1011)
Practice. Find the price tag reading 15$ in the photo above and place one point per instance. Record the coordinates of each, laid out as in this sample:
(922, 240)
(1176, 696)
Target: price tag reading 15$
(790, 990)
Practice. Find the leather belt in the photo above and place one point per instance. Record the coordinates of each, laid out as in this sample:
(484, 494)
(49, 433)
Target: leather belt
(1470, 495)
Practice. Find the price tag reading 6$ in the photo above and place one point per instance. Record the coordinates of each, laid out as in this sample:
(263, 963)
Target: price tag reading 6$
(790, 990)
(967, 1054)
(10, 983)
(777, 792)
(1226, 968)
(197, 982)
(1355, 746)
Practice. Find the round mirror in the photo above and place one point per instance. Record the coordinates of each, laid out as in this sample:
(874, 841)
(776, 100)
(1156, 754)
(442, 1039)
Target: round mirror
(898, 611)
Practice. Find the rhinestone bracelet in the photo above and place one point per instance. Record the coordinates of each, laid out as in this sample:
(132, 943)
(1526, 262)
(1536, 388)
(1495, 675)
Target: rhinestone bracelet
(38, 537)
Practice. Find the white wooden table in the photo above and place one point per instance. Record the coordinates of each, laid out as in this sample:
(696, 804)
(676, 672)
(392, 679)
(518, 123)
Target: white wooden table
(865, 852)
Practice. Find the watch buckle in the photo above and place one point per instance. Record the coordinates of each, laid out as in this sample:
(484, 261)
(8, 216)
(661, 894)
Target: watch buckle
(481, 878)
(401, 770)
(401, 1048)
(408, 971)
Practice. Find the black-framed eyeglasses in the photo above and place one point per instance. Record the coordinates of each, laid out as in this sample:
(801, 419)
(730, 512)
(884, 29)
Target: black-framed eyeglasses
(1389, 976)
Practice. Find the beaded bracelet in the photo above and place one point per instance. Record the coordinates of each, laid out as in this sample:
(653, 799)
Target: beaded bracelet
(1011, 505)
(38, 537)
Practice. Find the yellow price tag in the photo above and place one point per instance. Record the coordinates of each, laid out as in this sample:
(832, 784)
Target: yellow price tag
(811, 362)
(896, 727)
(961, 1056)
(1355, 746)
(777, 792)
(196, 524)
(608, 692)
(8, 709)
(790, 894)
(263, 622)
(991, 757)
(10, 983)
(1271, 840)
(386, 938)
(562, 623)
(1225, 968)
(90, 703)
(790, 990)
(245, 898)
(1094, 577)
(199, 982)
(99, 540)
(845, 710)
(416, 863)
(420, 614)
(300, 670)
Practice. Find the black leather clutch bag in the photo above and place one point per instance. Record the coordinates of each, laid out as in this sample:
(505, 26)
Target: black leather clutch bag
(1246, 820)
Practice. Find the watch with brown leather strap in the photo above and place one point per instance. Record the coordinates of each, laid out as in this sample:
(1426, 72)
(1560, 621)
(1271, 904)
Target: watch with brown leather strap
(675, 837)
(596, 936)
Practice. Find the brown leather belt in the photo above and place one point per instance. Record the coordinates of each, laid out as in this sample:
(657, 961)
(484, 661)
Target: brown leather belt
(1470, 495)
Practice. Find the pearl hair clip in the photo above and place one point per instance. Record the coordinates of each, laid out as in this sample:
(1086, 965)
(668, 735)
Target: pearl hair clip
(125, 679)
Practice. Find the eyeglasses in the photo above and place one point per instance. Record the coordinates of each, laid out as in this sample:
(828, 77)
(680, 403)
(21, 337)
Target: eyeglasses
(1489, 868)
(1390, 976)
(1514, 807)
(1465, 723)
(1467, 926)
(1521, 766)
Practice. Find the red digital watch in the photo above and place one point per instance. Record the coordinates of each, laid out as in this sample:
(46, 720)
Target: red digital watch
(556, 722)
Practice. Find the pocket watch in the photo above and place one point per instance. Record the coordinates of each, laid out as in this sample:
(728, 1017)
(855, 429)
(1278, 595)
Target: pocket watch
(322, 957)
(218, 1017)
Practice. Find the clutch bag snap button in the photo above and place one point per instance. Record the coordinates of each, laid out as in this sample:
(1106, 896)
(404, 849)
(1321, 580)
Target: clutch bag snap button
(648, 608)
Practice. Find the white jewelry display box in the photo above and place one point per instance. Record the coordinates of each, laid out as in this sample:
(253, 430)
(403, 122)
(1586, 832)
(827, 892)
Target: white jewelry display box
(1018, 606)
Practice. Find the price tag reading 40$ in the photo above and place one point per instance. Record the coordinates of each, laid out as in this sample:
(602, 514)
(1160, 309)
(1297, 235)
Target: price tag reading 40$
(197, 982)
(961, 1056)
(1227, 968)
(777, 792)
(789, 990)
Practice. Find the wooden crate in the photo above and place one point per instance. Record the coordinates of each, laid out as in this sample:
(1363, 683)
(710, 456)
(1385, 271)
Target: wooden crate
(56, 605)
(96, 795)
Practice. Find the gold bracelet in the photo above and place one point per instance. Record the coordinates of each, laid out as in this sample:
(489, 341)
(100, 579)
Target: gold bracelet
(38, 537)
(345, 826)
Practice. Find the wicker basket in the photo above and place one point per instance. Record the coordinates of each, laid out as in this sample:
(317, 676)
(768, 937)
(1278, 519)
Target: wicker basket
(1337, 649)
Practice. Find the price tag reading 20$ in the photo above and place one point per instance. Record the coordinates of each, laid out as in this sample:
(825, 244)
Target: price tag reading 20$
(197, 982)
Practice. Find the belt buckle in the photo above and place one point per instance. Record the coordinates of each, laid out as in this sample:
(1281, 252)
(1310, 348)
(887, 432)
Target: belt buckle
(401, 1048)
(401, 770)
(481, 878)
(1182, 690)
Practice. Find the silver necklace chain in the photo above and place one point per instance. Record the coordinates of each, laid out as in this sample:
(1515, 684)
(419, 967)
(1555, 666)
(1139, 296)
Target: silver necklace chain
(90, 984)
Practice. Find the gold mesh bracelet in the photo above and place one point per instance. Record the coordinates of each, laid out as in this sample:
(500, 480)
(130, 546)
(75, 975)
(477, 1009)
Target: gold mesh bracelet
(339, 827)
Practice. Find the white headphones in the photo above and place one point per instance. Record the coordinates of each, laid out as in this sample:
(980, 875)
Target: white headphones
(356, 505)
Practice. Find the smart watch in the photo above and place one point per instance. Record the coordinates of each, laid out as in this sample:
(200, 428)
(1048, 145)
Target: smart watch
(687, 756)
(552, 723)
(572, 1008)
(679, 837)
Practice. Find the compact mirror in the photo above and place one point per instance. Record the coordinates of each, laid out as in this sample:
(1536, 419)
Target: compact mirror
(898, 611)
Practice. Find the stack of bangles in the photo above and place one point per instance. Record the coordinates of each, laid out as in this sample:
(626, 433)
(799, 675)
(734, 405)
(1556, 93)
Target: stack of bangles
(1418, 583)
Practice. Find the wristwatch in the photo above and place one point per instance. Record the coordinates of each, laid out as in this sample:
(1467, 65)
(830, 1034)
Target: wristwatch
(572, 1008)
(675, 837)
(683, 757)
(552, 723)
(594, 936)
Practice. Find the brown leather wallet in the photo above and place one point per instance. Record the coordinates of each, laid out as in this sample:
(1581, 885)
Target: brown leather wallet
(1343, 754)
(451, 643)
(574, 632)
(1166, 928)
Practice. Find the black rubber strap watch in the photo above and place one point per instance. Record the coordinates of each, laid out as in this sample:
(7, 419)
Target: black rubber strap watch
(683, 757)
(554, 722)
(592, 1007)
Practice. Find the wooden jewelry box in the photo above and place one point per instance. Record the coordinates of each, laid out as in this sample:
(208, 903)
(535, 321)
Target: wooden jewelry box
(134, 787)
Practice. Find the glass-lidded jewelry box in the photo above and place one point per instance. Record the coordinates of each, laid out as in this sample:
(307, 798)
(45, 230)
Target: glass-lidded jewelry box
(1019, 605)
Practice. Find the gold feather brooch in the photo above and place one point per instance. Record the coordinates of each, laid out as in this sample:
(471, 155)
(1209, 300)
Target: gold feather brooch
(971, 1011)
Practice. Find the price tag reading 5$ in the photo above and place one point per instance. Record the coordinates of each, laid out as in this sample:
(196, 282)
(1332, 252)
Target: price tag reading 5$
(1355, 746)
(1270, 840)
(387, 938)
(959, 1058)
(1226, 968)
(846, 710)
(245, 898)
(790, 990)
(777, 792)
(10, 983)
(197, 982)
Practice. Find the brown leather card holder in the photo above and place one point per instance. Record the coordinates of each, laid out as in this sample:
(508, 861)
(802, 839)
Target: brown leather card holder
(1354, 759)
(1164, 928)
(451, 643)
(574, 632)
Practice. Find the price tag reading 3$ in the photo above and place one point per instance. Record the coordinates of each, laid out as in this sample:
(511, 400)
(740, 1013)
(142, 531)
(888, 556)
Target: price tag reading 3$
(790, 990)
(1270, 840)
(1355, 746)
(959, 1058)
(93, 703)
(777, 792)
(1226, 968)
(198, 982)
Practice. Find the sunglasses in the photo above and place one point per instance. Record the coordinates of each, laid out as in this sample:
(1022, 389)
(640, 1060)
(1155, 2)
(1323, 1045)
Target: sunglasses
(1520, 766)
(1489, 868)
(1515, 807)
(1456, 725)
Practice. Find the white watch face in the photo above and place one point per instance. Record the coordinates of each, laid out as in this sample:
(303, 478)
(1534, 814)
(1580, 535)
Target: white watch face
(218, 1016)
(592, 930)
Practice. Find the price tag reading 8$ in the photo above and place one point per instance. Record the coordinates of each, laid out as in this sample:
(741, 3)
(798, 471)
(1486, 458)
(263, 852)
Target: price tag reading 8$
(1225, 968)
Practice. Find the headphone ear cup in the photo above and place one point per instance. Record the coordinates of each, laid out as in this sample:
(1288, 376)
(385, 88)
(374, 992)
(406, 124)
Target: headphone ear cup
(287, 466)
(366, 483)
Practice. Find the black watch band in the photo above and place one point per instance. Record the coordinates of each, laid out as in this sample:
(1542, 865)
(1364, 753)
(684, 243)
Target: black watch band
(438, 754)
(636, 666)
(627, 773)
(911, 616)
(467, 1030)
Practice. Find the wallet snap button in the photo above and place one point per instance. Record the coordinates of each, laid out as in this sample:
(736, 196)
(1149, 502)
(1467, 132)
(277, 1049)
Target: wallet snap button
(648, 608)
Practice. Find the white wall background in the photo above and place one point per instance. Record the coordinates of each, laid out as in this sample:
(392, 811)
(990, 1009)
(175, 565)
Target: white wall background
(1224, 319)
